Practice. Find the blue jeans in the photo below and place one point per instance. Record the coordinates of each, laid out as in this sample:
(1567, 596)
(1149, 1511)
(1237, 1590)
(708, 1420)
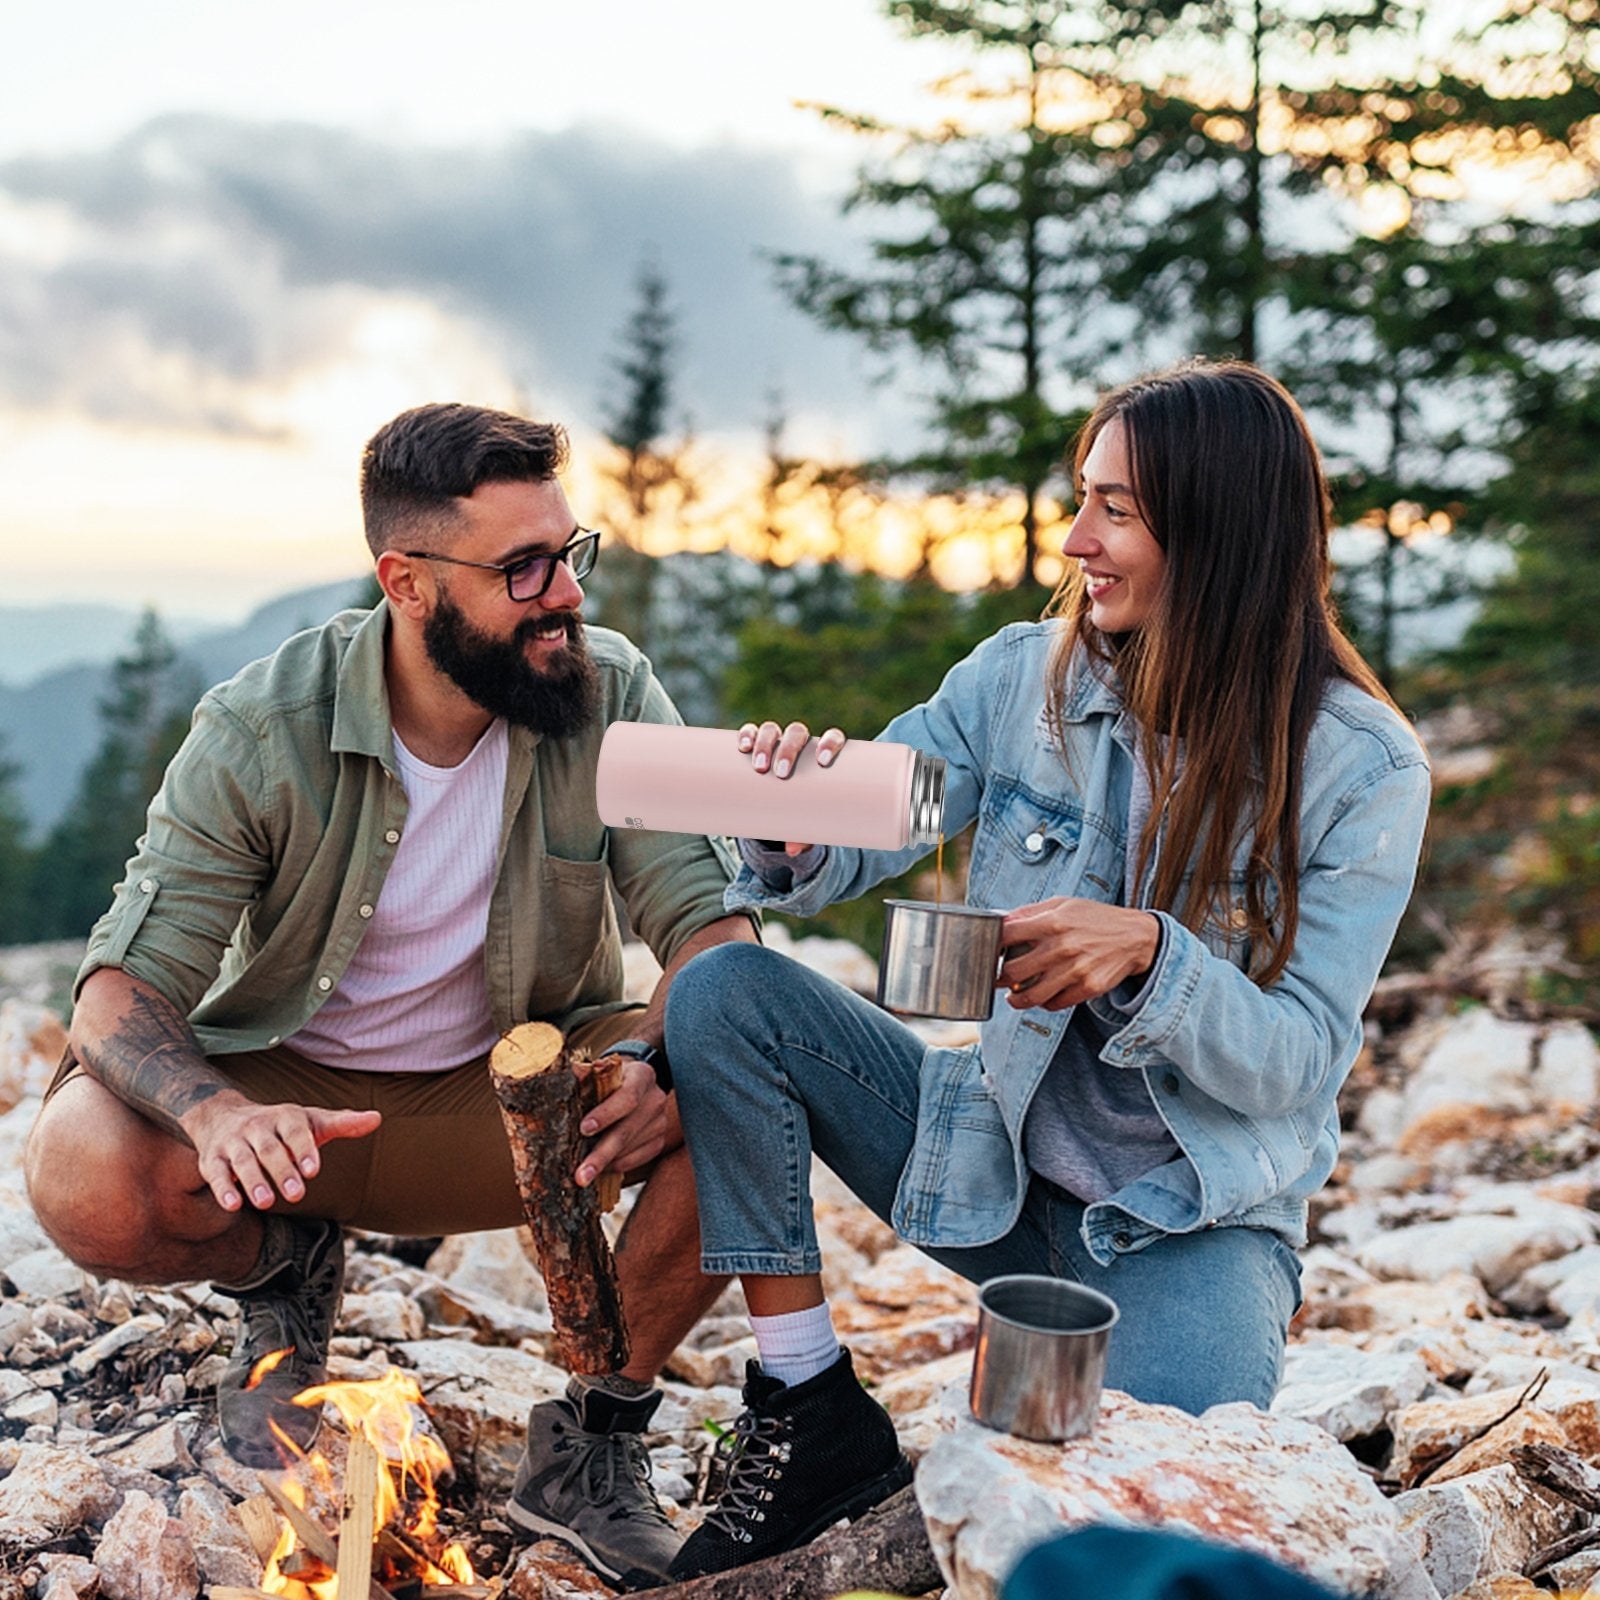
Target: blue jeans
(774, 1063)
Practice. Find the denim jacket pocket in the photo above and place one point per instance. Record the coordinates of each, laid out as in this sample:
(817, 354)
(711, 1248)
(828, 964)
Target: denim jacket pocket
(961, 1185)
(1021, 831)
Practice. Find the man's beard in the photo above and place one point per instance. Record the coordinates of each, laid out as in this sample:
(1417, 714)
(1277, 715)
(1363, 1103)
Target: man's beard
(495, 673)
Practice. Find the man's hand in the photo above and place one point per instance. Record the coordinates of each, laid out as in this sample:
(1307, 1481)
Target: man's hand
(637, 1122)
(256, 1152)
(1062, 952)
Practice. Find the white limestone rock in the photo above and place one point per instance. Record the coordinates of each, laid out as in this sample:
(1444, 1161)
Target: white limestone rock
(1270, 1484)
(385, 1315)
(145, 1554)
(46, 1274)
(222, 1549)
(1569, 1284)
(1478, 1526)
(1568, 1072)
(1495, 1249)
(163, 1450)
(1476, 1059)
(52, 1491)
(115, 1340)
(480, 1398)
(1345, 1390)
(492, 1263)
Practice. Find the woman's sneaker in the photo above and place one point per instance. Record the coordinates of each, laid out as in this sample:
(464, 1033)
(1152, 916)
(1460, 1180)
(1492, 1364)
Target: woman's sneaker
(798, 1460)
(584, 1478)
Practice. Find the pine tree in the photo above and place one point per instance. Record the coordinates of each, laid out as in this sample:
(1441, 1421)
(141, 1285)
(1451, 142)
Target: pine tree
(17, 919)
(144, 715)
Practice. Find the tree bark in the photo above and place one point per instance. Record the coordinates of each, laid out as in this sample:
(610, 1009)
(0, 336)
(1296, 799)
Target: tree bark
(542, 1101)
(886, 1550)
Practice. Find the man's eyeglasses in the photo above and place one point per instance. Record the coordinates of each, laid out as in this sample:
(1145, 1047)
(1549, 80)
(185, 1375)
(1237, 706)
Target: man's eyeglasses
(529, 576)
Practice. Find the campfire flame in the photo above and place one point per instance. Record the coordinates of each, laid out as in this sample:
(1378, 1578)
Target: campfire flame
(405, 1526)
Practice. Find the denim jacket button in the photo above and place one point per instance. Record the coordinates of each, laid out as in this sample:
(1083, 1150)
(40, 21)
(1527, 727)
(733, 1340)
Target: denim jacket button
(1169, 1082)
(1034, 842)
(1121, 1241)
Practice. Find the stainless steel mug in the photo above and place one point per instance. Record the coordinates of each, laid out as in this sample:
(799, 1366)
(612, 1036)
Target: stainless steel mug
(939, 960)
(1041, 1357)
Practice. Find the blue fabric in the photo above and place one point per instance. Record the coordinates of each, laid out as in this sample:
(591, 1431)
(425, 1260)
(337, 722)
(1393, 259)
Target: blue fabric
(1151, 1564)
(788, 1062)
(1246, 1080)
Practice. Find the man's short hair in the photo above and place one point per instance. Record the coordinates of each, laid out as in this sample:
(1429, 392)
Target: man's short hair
(415, 468)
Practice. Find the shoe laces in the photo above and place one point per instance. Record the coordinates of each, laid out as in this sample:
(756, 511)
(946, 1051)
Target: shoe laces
(297, 1319)
(285, 1321)
(753, 1453)
(602, 1463)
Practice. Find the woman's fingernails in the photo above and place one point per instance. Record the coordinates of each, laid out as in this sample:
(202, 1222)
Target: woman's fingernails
(309, 1166)
(783, 767)
(588, 1127)
(761, 761)
(825, 758)
(585, 1174)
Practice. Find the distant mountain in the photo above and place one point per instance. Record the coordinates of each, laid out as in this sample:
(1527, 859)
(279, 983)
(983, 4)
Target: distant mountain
(50, 727)
(35, 640)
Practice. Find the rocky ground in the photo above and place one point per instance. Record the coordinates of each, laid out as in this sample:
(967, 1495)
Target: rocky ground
(1452, 1316)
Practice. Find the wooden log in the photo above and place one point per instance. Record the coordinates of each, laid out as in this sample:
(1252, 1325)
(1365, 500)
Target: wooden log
(543, 1102)
(887, 1550)
(315, 1537)
(357, 1515)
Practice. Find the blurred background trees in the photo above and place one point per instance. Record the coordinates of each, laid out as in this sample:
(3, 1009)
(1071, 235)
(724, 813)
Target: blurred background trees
(1393, 205)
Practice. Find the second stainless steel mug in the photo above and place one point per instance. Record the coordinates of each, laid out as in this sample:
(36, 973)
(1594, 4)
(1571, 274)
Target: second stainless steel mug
(1040, 1361)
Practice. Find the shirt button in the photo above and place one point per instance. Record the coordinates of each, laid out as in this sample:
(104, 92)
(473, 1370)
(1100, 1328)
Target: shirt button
(1122, 1240)
(393, 836)
(324, 984)
(1239, 917)
(1169, 1082)
(1034, 842)
(277, 1038)
(147, 886)
(366, 911)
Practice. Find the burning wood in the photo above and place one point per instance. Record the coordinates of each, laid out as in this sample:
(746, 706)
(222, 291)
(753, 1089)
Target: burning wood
(544, 1092)
(389, 1545)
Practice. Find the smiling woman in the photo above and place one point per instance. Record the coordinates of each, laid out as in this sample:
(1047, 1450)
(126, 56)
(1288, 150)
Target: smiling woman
(1200, 816)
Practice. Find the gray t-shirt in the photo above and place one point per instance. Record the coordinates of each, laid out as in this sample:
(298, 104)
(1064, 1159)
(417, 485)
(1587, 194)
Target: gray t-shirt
(1092, 1128)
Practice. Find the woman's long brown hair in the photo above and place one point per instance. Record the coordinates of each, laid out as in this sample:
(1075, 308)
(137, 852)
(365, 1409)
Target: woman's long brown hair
(1232, 661)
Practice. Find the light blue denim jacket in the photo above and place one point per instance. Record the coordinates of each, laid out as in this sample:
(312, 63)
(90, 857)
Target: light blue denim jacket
(1246, 1079)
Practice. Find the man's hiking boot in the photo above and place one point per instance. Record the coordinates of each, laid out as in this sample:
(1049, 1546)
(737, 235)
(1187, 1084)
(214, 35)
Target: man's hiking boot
(287, 1305)
(798, 1459)
(584, 1478)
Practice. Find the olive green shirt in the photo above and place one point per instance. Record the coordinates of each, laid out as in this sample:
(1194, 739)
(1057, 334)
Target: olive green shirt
(267, 846)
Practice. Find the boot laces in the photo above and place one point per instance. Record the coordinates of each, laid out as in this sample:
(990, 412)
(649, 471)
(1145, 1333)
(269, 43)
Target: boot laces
(602, 1463)
(285, 1321)
(753, 1454)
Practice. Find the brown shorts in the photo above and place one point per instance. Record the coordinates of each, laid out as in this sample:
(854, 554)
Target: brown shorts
(438, 1164)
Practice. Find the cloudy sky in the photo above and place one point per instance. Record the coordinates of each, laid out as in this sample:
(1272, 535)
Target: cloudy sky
(235, 237)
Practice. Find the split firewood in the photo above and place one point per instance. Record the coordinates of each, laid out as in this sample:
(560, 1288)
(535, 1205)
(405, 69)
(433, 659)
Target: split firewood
(543, 1102)
(356, 1517)
(316, 1538)
(886, 1550)
(260, 1523)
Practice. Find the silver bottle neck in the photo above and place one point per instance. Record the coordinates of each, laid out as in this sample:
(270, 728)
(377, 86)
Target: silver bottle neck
(927, 799)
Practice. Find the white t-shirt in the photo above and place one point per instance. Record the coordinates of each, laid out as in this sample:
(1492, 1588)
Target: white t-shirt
(414, 997)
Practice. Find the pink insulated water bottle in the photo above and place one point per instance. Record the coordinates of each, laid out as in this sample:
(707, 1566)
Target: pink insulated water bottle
(697, 780)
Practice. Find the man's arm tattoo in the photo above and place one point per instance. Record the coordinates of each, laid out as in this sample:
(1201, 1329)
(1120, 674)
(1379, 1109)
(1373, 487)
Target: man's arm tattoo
(151, 1060)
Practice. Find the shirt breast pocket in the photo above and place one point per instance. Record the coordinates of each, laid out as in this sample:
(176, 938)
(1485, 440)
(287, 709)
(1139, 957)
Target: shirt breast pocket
(1027, 845)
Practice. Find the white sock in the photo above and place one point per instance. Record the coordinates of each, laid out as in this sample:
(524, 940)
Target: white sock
(797, 1345)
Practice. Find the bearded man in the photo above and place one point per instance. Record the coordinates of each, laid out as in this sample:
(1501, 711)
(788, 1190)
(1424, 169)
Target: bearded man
(377, 851)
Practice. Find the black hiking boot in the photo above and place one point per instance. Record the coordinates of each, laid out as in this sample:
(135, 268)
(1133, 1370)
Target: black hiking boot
(288, 1305)
(798, 1460)
(584, 1478)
